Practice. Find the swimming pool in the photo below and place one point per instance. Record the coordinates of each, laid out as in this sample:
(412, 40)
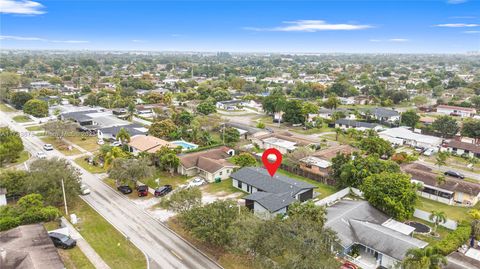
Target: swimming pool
(184, 144)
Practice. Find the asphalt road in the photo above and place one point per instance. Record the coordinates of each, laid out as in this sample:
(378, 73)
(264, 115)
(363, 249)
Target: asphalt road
(467, 173)
(161, 245)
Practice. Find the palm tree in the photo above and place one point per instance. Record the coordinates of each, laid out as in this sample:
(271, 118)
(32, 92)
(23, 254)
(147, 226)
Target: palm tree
(427, 258)
(441, 158)
(123, 136)
(131, 111)
(441, 179)
(438, 217)
(337, 132)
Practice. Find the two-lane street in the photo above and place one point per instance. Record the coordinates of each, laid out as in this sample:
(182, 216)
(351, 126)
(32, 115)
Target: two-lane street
(159, 243)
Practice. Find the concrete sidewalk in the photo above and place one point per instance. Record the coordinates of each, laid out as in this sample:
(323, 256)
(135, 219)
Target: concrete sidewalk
(89, 252)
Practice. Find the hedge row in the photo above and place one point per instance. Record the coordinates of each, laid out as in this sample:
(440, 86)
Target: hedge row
(455, 239)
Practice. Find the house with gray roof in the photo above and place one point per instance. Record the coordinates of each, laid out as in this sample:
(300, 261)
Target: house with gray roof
(382, 114)
(368, 234)
(359, 125)
(269, 195)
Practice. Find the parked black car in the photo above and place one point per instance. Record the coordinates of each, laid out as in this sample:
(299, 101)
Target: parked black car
(125, 189)
(454, 174)
(142, 190)
(163, 190)
(62, 241)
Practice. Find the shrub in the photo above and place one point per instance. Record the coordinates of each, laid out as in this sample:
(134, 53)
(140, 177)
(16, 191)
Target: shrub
(7, 223)
(455, 239)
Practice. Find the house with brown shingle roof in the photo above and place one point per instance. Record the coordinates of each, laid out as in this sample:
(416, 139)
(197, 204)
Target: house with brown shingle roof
(453, 191)
(147, 143)
(460, 148)
(209, 164)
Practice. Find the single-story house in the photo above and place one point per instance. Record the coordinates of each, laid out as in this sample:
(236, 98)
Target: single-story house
(329, 153)
(111, 132)
(359, 125)
(382, 114)
(315, 165)
(456, 111)
(403, 136)
(210, 164)
(270, 196)
(453, 192)
(244, 129)
(230, 105)
(458, 260)
(284, 142)
(27, 247)
(377, 239)
(460, 148)
(147, 143)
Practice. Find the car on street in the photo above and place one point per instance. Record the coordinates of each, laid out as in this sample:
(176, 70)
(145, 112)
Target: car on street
(62, 240)
(454, 174)
(84, 190)
(48, 147)
(429, 152)
(100, 142)
(142, 190)
(196, 182)
(162, 191)
(41, 155)
(116, 144)
(125, 189)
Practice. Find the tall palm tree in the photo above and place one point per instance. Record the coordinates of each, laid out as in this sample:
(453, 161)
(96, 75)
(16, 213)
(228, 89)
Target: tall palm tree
(438, 217)
(130, 111)
(123, 136)
(427, 258)
(338, 131)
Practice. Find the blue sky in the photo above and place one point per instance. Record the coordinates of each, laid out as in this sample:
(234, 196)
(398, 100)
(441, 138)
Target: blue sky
(443, 26)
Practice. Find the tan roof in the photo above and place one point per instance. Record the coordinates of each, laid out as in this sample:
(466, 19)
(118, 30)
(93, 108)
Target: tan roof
(289, 137)
(210, 160)
(426, 119)
(330, 153)
(148, 143)
(430, 178)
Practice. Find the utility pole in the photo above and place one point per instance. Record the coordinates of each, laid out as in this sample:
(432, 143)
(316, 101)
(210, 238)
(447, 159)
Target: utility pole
(64, 198)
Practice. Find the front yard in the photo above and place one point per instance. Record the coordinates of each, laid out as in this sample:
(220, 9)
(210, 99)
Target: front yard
(60, 145)
(22, 118)
(5, 108)
(88, 143)
(23, 157)
(223, 187)
(90, 168)
(165, 179)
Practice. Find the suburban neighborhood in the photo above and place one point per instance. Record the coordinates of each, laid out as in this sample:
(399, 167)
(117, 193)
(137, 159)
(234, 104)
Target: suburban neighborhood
(206, 159)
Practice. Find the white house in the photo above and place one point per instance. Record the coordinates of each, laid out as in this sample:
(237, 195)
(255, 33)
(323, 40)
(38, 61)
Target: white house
(403, 136)
(456, 111)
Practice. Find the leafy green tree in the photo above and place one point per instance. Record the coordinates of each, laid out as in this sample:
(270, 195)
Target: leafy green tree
(163, 128)
(183, 200)
(206, 108)
(244, 159)
(18, 99)
(392, 193)
(275, 102)
(10, 145)
(426, 258)
(437, 217)
(261, 125)
(15, 181)
(343, 88)
(293, 112)
(109, 153)
(123, 136)
(309, 108)
(332, 102)
(471, 128)
(446, 126)
(183, 118)
(59, 129)
(125, 171)
(410, 118)
(419, 100)
(230, 135)
(9, 80)
(376, 145)
(35, 107)
(308, 211)
(441, 158)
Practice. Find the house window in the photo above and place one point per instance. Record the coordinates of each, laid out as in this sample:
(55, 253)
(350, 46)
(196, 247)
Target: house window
(221, 173)
(240, 185)
(248, 188)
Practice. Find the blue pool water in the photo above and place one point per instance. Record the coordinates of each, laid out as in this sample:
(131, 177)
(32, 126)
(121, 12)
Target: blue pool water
(185, 145)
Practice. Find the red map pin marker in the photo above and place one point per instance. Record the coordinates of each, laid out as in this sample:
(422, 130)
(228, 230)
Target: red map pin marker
(272, 166)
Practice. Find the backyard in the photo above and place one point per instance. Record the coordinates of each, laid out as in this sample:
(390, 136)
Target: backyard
(324, 189)
(457, 213)
(225, 186)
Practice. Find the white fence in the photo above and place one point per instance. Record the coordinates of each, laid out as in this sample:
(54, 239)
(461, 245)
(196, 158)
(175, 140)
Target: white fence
(424, 215)
(338, 195)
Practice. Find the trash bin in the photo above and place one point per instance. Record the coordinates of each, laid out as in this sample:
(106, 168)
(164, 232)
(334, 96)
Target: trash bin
(218, 180)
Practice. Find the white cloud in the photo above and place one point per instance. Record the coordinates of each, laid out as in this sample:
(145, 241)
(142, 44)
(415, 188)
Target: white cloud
(398, 40)
(457, 25)
(139, 41)
(311, 26)
(24, 38)
(454, 2)
(21, 7)
(471, 32)
(462, 17)
(375, 40)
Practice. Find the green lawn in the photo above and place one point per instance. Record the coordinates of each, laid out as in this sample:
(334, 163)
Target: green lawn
(165, 179)
(5, 108)
(109, 243)
(23, 157)
(224, 186)
(60, 145)
(343, 139)
(22, 118)
(72, 258)
(324, 189)
(452, 212)
(442, 232)
(90, 168)
(35, 128)
(88, 143)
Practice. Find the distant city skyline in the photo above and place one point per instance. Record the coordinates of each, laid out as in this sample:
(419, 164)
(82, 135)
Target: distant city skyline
(451, 26)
